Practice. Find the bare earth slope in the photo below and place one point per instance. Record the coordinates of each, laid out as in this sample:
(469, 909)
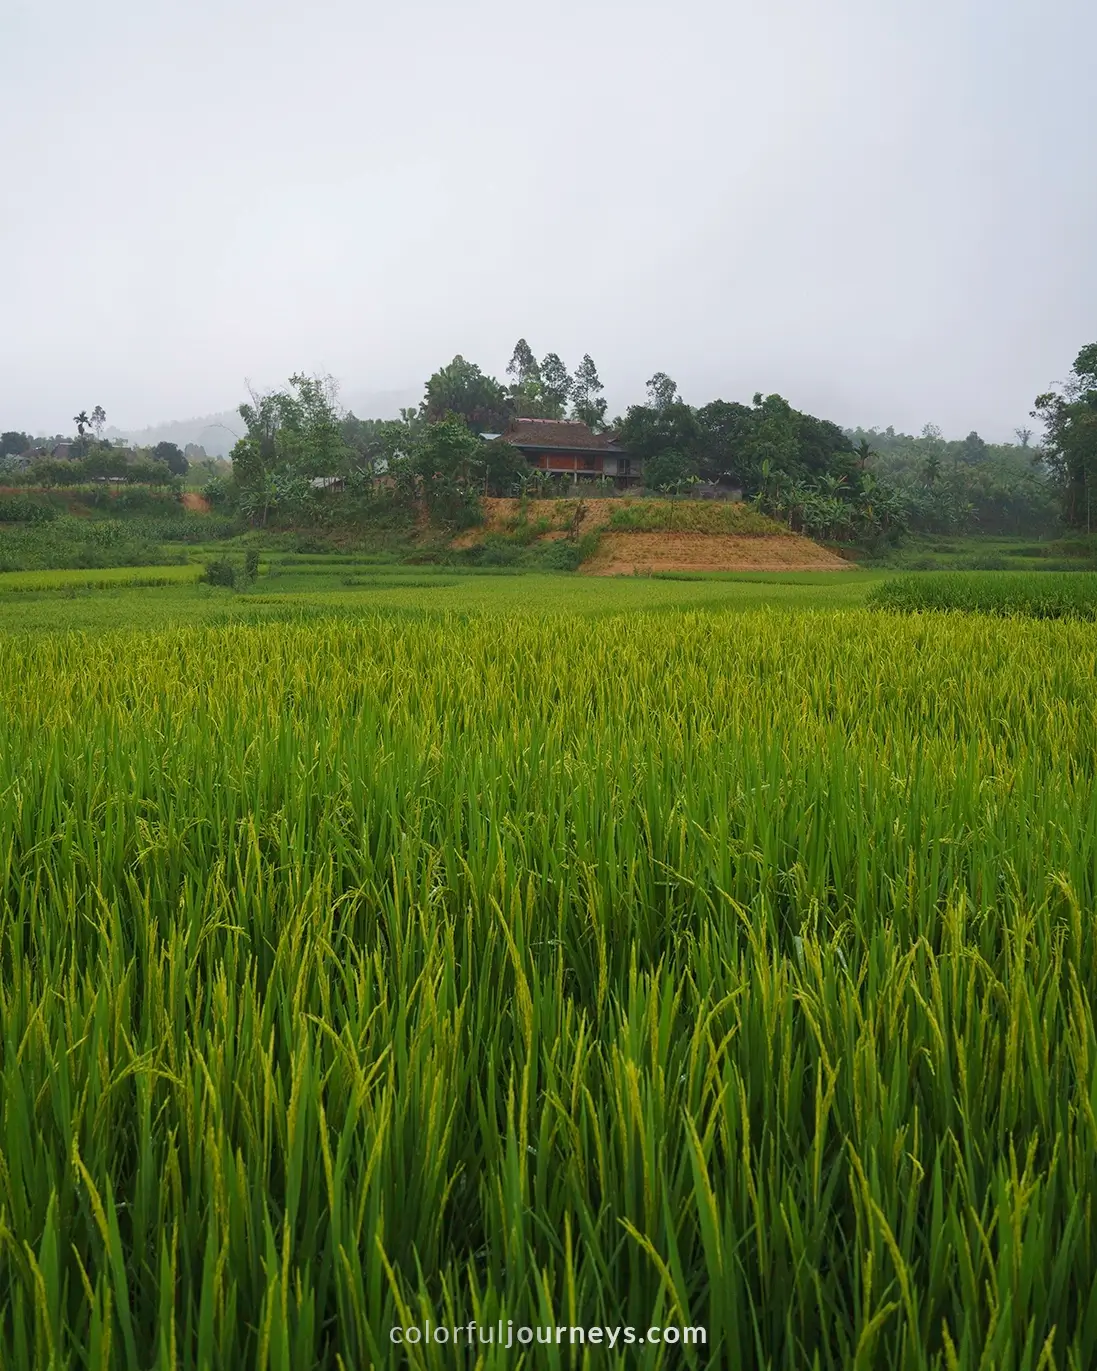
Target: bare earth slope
(623, 554)
(666, 535)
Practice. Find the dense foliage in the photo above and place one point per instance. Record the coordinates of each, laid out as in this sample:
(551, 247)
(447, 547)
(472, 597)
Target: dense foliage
(867, 486)
(716, 969)
(1070, 421)
(69, 541)
(964, 485)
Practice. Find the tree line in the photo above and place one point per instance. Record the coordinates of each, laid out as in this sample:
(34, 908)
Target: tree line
(91, 457)
(810, 472)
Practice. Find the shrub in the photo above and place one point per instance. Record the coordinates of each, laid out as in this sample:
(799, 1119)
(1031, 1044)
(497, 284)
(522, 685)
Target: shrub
(23, 509)
(68, 542)
(220, 572)
(561, 555)
(218, 490)
(496, 551)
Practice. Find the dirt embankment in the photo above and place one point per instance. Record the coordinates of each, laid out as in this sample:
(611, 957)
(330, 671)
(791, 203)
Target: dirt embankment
(198, 503)
(549, 518)
(625, 554)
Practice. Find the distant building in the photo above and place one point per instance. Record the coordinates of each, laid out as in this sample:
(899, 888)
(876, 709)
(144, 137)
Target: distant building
(568, 447)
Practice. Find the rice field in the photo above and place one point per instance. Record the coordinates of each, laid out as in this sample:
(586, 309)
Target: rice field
(687, 966)
(1034, 595)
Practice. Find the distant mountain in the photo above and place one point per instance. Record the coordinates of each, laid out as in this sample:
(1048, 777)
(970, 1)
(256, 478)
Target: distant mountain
(215, 432)
(218, 432)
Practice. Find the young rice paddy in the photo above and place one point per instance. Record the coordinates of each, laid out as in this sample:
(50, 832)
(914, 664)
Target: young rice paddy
(676, 953)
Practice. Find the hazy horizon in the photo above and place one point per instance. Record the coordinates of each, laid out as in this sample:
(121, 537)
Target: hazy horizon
(885, 215)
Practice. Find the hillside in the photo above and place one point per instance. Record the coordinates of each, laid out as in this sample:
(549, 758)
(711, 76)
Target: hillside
(621, 537)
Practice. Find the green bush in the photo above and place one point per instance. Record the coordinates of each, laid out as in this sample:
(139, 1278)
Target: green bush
(71, 543)
(23, 509)
(220, 572)
(496, 551)
(561, 555)
(218, 490)
(133, 500)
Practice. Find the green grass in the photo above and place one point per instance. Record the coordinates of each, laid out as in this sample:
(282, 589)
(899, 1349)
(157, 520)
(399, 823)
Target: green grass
(691, 516)
(986, 552)
(1062, 595)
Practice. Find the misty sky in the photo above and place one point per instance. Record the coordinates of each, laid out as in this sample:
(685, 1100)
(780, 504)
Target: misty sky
(886, 210)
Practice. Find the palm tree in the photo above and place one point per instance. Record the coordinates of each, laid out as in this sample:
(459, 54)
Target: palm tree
(864, 453)
(81, 421)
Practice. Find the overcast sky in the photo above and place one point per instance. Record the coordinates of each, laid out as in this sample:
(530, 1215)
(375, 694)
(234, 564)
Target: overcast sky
(886, 210)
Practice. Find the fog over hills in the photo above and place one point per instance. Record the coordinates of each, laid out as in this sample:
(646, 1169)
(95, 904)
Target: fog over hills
(217, 432)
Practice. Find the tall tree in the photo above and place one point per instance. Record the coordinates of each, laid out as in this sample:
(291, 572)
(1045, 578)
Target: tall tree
(172, 457)
(647, 432)
(462, 389)
(310, 438)
(865, 454)
(449, 461)
(255, 456)
(974, 448)
(556, 385)
(523, 364)
(83, 423)
(774, 442)
(587, 404)
(98, 419)
(662, 391)
(13, 444)
(1070, 439)
(724, 429)
(293, 435)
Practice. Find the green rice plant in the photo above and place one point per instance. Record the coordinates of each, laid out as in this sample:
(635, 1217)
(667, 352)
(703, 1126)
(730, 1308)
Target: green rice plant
(733, 970)
(107, 579)
(1044, 595)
